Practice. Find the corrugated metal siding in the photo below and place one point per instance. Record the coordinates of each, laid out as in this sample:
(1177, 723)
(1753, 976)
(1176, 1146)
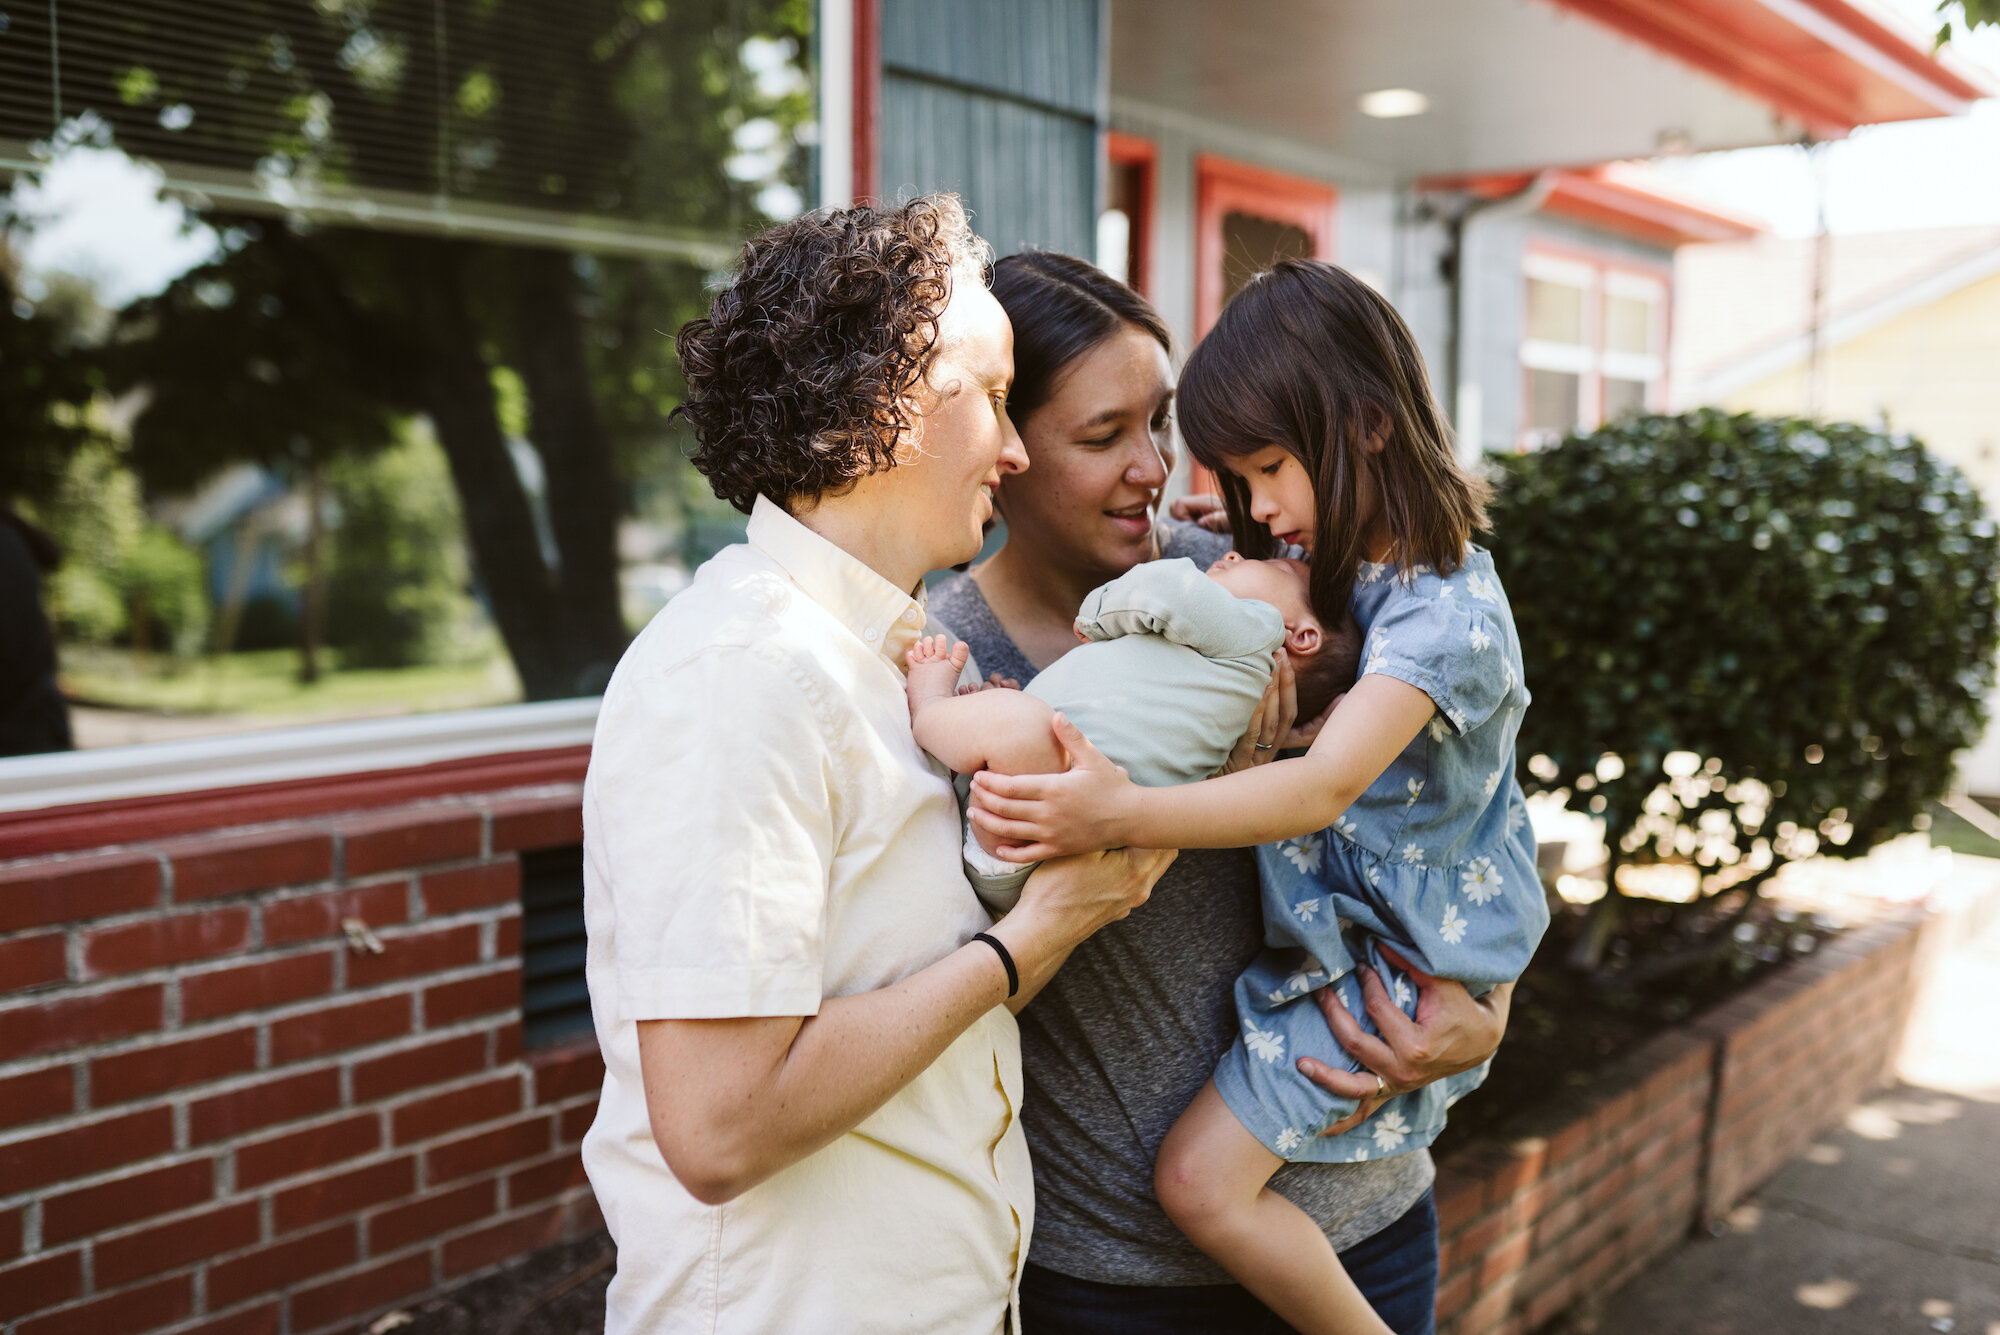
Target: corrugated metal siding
(999, 100)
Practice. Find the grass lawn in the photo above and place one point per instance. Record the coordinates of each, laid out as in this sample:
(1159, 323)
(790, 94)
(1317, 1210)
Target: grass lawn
(267, 683)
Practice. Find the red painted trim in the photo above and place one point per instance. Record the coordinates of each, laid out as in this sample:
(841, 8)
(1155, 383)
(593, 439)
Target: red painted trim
(1825, 63)
(131, 820)
(1131, 150)
(1599, 197)
(1222, 187)
(867, 100)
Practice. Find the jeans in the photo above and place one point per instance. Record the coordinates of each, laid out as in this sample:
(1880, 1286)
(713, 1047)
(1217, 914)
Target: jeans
(1396, 1271)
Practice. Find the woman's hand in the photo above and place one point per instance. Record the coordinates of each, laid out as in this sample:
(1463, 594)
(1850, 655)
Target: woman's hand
(1272, 721)
(1453, 1031)
(1035, 817)
(1206, 510)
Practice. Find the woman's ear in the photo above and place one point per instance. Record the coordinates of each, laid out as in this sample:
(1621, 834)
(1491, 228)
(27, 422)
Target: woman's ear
(1302, 638)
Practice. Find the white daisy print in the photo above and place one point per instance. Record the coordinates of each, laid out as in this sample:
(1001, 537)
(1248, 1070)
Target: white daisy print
(1422, 570)
(1359, 1155)
(1452, 929)
(1390, 1131)
(1301, 980)
(1370, 572)
(1302, 853)
(1288, 1140)
(1493, 780)
(1480, 639)
(1306, 910)
(1376, 655)
(1415, 788)
(1440, 730)
(1278, 998)
(1484, 589)
(1517, 816)
(1266, 1043)
(1374, 874)
(1447, 590)
(1413, 854)
(1345, 827)
(1480, 882)
(1457, 717)
(1403, 994)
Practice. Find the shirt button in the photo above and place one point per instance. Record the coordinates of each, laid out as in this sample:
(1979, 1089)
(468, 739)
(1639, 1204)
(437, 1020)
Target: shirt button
(871, 635)
(913, 616)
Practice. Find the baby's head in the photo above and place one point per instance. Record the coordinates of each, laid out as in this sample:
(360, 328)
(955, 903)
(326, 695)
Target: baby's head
(1325, 658)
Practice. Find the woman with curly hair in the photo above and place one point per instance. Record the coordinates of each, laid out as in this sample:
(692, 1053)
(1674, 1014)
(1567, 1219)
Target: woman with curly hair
(810, 1116)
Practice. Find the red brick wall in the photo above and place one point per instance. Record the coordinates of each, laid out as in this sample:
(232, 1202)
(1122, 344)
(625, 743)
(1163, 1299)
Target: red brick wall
(218, 1115)
(1574, 1198)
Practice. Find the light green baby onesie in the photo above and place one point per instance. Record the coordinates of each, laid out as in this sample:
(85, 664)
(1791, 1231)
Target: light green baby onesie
(1174, 668)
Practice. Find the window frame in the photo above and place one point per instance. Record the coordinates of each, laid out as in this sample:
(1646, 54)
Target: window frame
(1130, 150)
(1224, 186)
(1601, 275)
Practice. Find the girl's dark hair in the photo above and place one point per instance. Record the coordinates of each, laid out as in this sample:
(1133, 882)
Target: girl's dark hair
(1309, 357)
(1062, 307)
(800, 377)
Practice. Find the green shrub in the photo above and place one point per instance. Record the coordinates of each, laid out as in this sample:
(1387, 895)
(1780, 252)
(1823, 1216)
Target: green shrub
(167, 606)
(396, 582)
(1748, 640)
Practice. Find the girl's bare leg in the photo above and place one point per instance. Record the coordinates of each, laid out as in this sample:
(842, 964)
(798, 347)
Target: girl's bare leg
(1211, 1180)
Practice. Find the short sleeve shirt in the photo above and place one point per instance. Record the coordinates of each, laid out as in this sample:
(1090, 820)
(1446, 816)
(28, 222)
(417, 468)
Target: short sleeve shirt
(761, 831)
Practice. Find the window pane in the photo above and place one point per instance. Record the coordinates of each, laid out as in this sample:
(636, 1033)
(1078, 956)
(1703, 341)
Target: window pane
(1628, 325)
(1251, 245)
(1553, 401)
(1623, 396)
(391, 291)
(1555, 312)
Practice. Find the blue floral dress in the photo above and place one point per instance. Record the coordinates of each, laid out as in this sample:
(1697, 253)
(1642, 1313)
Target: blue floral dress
(1436, 860)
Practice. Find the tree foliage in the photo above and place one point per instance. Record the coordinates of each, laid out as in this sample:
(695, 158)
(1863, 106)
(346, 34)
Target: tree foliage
(300, 343)
(1748, 639)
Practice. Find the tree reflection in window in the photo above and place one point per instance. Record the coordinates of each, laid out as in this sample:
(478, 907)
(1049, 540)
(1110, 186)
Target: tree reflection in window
(485, 217)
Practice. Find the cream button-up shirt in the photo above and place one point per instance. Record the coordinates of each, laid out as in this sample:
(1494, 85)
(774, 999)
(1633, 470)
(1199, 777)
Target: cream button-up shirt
(761, 831)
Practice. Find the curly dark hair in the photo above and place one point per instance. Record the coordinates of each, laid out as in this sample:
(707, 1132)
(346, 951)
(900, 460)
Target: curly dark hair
(800, 376)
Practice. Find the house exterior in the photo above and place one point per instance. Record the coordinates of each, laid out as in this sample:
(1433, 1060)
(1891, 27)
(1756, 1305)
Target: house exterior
(1455, 156)
(289, 1022)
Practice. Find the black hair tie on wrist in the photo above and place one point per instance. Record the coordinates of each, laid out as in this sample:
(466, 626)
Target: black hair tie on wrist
(1013, 974)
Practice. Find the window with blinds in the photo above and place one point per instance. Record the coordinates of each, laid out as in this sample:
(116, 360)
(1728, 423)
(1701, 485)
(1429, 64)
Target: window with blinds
(594, 121)
(352, 324)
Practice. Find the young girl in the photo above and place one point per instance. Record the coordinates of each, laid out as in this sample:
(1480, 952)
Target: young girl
(1402, 825)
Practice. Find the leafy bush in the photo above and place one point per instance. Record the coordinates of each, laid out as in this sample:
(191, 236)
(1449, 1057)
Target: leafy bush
(1748, 639)
(395, 589)
(162, 582)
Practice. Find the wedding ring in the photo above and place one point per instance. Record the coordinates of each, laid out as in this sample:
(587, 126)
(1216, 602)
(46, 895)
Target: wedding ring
(1381, 1088)
(1263, 746)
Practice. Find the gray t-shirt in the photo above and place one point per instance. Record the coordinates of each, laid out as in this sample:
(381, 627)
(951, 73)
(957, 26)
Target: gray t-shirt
(1118, 1044)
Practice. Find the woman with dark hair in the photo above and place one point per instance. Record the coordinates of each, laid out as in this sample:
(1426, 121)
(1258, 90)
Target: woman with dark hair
(1121, 1040)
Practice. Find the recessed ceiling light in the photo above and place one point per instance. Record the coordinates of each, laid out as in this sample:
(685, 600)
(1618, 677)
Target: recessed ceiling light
(1389, 103)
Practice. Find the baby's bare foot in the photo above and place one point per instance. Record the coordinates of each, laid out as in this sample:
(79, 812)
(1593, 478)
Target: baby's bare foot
(934, 667)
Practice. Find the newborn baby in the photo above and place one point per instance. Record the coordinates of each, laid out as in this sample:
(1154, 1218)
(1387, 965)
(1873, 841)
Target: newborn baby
(1172, 665)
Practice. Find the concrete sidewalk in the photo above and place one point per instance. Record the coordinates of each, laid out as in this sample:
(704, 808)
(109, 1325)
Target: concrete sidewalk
(1888, 1223)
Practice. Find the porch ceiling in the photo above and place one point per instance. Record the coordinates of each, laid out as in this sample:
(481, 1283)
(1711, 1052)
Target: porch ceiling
(1511, 83)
